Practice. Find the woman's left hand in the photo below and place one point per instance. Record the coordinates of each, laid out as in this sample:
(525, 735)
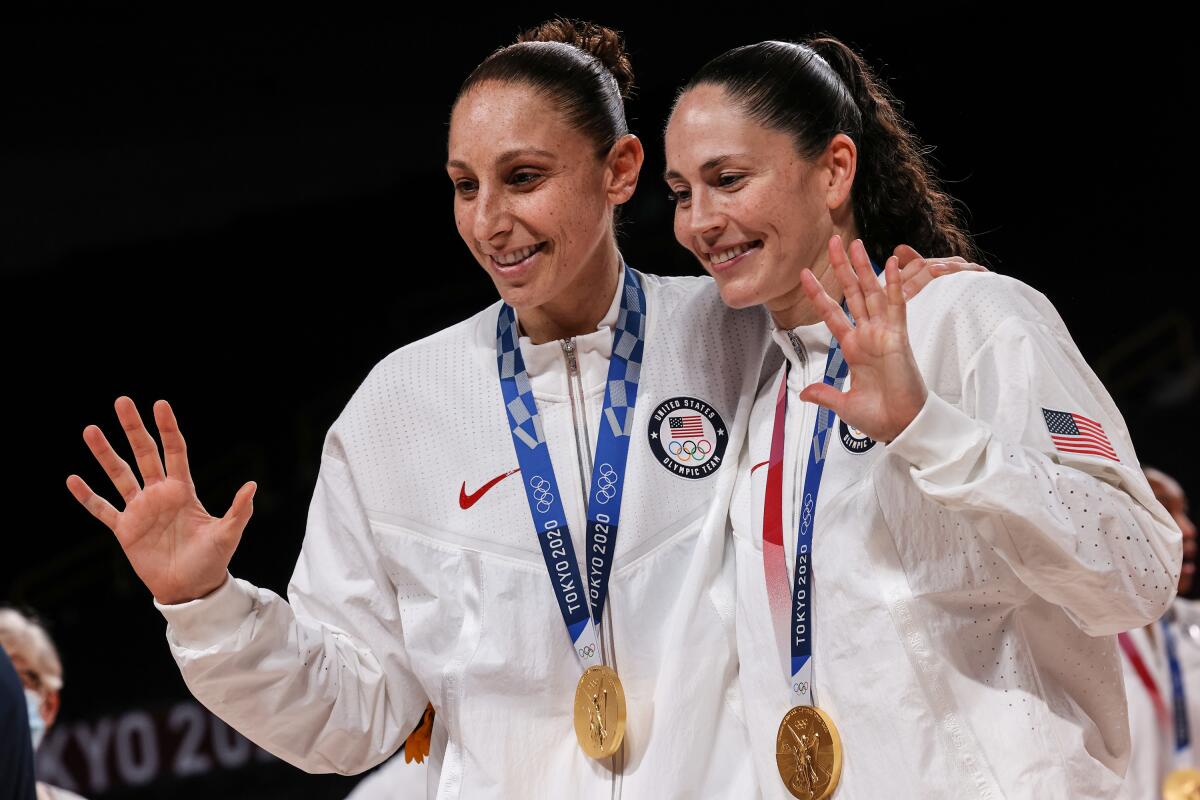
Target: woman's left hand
(886, 388)
(916, 271)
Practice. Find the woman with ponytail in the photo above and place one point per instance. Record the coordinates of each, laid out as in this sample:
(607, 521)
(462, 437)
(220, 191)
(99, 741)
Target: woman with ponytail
(939, 519)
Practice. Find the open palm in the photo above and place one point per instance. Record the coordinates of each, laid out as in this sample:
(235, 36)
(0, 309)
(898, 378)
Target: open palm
(175, 546)
(886, 389)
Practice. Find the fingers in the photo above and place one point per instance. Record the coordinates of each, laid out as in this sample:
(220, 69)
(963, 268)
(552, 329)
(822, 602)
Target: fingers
(840, 261)
(897, 310)
(875, 299)
(174, 448)
(96, 505)
(831, 312)
(145, 450)
(824, 395)
(906, 255)
(241, 509)
(114, 466)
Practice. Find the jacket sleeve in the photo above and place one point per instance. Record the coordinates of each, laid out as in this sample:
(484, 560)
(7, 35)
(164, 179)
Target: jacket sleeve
(323, 682)
(1082, 531)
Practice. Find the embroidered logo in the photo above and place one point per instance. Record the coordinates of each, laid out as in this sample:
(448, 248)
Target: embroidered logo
(688, 437)
(468, 499)
(853, 439)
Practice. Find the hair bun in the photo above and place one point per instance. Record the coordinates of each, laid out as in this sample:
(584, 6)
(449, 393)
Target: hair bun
(604, 44)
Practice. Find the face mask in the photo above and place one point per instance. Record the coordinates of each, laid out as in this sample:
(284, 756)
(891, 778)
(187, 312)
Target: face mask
(37, 726)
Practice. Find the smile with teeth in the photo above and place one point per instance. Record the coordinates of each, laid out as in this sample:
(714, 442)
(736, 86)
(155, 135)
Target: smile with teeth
(517, 256)
(722, 256)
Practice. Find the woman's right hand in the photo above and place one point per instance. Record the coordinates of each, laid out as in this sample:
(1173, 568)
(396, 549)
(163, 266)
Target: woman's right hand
(177, 548)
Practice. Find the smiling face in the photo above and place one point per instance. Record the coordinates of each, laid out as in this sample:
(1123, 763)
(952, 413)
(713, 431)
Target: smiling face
(748, 205)
(533, 201)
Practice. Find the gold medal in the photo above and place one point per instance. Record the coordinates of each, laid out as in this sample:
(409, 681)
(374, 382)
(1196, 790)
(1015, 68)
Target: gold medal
(600, 712)
(1182, 784)
(808, 752)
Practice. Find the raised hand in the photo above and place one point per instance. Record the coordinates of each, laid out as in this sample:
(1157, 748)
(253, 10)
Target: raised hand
(886, 388)
(916, 271)
(175, 546)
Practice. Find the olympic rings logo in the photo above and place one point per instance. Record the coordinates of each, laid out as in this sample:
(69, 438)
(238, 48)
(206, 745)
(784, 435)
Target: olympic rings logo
(588, 651)
(541, 493)
(691, 451)
(606, 483)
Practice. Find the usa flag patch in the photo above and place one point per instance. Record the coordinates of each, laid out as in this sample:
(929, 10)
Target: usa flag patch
(1075, 433)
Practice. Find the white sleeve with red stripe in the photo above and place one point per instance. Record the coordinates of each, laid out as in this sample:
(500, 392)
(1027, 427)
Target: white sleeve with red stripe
(1035, 453)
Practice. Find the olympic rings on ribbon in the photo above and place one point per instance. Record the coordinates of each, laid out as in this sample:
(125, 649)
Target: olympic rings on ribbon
(541, 493)
(606, 483)
(587, 652)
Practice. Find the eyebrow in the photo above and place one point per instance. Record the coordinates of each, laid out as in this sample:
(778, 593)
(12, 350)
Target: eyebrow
(507, 155)
(711, 164)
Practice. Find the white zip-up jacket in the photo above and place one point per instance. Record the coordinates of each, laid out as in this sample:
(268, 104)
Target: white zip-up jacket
(967, 577)
(421, 574)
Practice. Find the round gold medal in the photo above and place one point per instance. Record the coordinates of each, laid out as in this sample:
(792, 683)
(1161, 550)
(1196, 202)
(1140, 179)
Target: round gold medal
(808, 752)
(1182, 784)
(600, 712)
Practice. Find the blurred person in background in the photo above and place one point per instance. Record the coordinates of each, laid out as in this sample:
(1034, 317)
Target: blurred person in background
(36, 661)
(1153, 659)
(16, 746)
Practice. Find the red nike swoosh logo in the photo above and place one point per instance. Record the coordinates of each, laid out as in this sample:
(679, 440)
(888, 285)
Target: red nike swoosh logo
(466, 500)
(759, 464)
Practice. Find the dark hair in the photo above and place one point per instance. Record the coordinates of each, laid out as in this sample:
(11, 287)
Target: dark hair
(581, 66)
(816, 90)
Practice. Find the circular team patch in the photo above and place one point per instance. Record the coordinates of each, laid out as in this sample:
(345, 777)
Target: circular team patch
(688, 437)
(853, 439)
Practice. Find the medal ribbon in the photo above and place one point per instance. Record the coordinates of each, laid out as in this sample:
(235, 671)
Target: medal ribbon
(1143, 673)
(1182, 729)
(797, 628)
(580, 605)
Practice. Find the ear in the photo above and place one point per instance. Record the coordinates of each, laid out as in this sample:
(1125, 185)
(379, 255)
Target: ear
(622, 168)
(50, 704)
(840, 159)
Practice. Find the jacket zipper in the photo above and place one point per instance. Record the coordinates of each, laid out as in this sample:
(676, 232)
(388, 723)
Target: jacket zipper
(583, 454)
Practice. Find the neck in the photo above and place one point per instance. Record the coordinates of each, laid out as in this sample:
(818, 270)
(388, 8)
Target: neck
(580, 307)
(793, 308)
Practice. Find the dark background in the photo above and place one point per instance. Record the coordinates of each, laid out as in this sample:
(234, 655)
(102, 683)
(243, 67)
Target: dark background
(245, 220)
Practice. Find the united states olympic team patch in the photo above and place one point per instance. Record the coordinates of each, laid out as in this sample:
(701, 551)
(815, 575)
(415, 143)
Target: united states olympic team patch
(853, 439)
(688, 437)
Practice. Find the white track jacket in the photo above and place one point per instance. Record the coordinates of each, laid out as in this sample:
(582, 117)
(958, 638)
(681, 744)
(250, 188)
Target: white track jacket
(969, 576)
(421, 575)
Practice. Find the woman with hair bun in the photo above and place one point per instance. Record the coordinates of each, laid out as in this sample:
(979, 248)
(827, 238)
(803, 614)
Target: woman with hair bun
(934, 550)
(465, 475)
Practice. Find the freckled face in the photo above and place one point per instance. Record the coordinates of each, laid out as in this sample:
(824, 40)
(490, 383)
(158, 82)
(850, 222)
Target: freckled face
(748, 205)
(529, 192)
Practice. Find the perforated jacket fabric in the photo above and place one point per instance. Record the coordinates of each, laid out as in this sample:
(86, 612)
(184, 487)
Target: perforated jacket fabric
(402, 594)
(967, 577)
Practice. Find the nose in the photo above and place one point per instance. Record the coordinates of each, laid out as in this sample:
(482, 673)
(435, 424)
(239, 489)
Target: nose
(703, 221)
(492, 220)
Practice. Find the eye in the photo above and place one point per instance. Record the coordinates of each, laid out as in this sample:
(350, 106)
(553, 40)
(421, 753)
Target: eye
(524, 178)
(728, 179)
(465, 186)
(679, 197)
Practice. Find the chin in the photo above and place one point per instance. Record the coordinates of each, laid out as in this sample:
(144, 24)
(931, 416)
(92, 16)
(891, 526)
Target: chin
(736, 294)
